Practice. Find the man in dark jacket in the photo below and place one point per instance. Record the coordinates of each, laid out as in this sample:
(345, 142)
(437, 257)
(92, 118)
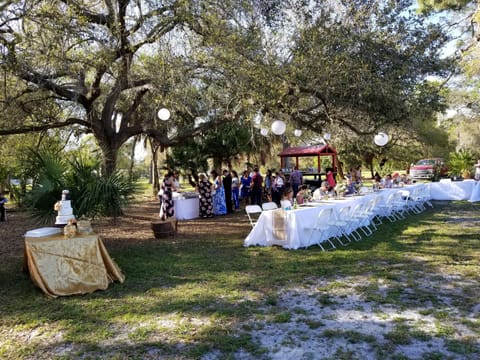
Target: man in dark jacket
(227, 185)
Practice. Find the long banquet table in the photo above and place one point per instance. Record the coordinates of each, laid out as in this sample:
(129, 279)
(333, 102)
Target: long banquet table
(291, 228)
(61, 267)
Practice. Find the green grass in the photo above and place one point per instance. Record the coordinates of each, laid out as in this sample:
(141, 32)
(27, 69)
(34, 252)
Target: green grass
(183, 298)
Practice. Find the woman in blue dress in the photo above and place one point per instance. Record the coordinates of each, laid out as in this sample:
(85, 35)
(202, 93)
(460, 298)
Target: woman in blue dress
(219, 205)
(245, 187)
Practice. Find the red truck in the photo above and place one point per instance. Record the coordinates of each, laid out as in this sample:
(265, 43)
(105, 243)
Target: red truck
(428, 169)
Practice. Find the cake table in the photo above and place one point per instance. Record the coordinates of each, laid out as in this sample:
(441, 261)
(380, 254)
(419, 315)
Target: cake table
(78, 265)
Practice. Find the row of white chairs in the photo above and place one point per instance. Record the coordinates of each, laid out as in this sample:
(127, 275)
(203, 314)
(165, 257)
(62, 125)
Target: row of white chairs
(363, 219)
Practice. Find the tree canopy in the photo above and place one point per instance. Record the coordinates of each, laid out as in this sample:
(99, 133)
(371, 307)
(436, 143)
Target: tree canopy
(106, 67)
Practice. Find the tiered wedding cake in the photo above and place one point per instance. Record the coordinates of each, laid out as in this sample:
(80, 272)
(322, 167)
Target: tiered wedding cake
(64, 208)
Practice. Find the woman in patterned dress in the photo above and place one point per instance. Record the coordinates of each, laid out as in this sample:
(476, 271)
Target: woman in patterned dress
(167, 187)
(204, 188)
(219, 205)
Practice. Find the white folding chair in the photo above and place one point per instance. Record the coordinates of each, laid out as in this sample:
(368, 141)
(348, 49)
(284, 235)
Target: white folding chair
(322, 228)
(353, 223)
(386, 208)
(361, 213)
(269, 206)
(399, 205)
(341, 226)
(414, 203)
(253, 213)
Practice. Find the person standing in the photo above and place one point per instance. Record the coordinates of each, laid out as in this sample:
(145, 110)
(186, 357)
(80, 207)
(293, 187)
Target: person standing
(268, 185)
(3, 201)
(235, 190)
(204, 188)
(168, 187)
(256, 187)
(358, 175)
(245, 187)
(219, 207)
(296, 180)
(227, 185)
(477, 171)
(330, 178)
(278, 187)
(176, 180)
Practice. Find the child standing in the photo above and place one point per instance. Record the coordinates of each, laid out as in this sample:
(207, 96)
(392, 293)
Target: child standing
(3, 201)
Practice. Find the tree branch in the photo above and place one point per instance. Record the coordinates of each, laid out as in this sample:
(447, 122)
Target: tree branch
(44, 127)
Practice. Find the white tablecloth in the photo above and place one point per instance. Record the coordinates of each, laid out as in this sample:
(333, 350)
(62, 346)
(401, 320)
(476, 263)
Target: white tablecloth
(475, 196)
(186, 209)
(452, 190)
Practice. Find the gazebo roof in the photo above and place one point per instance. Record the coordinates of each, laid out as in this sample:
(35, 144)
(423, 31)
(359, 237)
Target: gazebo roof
(307, 151)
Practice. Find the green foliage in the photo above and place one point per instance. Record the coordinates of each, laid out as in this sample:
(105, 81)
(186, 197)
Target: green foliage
(92, 194)
(461, 163)
(427, 6)
(106, 195)
(222, 144)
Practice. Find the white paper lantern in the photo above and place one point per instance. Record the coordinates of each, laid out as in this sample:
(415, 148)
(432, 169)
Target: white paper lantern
(163, 114)
(278, 127)
(258, 118)
(381, 139)
(297, 132)
(264, 132)
(326, 136)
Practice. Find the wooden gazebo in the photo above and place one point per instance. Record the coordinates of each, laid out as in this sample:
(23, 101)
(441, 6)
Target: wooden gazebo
(309, 151)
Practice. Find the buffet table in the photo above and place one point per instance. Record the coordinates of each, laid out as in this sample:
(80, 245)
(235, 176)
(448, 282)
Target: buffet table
(452, 190)
(78, 265)
(186, 206)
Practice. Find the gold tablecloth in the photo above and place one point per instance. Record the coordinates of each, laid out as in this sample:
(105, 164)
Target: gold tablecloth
(62, 267)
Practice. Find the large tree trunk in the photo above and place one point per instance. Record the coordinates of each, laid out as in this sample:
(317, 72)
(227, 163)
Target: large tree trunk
(109, 161)
(154, 176)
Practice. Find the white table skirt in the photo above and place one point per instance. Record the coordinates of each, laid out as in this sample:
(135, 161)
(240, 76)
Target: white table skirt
(186, 209)
(452, 190)
(475, 196)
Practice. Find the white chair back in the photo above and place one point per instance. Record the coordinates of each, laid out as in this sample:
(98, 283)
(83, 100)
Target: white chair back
(269, 206)
(253, 213)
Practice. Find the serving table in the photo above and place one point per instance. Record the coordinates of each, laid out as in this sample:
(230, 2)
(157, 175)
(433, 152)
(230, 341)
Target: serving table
(186, 206)
(452, 190)
(78, 265)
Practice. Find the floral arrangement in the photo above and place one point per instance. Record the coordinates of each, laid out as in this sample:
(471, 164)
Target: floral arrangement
(307, 195)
